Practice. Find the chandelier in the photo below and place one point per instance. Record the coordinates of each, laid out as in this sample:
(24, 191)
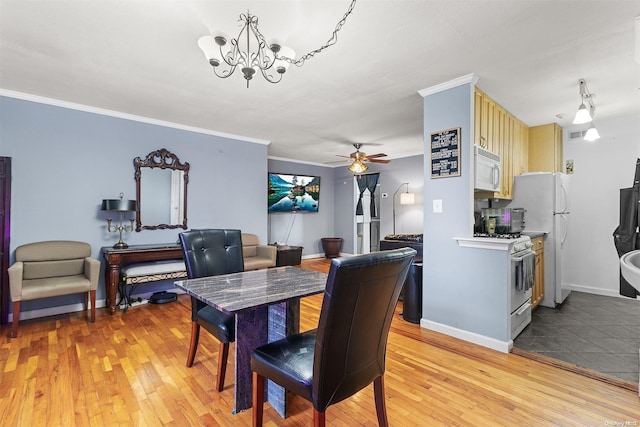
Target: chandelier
(251, 53)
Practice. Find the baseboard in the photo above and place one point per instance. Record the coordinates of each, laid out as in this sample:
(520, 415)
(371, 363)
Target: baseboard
(73, 308)
(472, 337)
(597, 291)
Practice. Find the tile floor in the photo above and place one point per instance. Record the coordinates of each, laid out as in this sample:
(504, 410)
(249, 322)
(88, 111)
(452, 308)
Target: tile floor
(591, 331)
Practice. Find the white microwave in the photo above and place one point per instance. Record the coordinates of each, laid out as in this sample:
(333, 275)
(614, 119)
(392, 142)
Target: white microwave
(488, 174)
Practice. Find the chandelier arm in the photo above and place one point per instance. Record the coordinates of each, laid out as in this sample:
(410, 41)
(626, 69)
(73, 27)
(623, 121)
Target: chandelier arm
(264, 62)
(268, 77)
(261, 59)
(233, 57)
(224, 74)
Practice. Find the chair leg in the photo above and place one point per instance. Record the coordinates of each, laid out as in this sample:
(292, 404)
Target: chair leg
(93, 305)
(195, 336)
(223, 355)
(381, 407)
(258, 399)
(16, 319)
(318, 418)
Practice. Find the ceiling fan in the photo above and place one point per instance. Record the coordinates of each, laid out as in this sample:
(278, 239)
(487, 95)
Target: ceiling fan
(359, 158)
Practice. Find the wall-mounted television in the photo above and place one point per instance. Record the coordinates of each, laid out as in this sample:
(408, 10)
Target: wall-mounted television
(293, 193)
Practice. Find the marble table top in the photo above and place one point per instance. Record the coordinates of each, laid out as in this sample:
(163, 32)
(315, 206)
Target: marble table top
(231, 293)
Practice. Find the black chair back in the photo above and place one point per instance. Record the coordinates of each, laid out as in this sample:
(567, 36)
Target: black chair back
(212, 252)
(358, 306)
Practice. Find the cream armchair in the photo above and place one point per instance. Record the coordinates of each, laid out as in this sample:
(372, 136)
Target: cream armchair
(52, 268)
(257, 256)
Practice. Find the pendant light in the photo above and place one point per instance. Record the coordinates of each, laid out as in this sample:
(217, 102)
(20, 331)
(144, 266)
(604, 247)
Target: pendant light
(583, 115)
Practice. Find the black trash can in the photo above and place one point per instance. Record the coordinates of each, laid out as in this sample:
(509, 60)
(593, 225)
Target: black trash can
(412, 294)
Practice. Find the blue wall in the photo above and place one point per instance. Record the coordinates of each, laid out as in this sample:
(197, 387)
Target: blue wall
(464, 289)
(304, 229)
(65, 161)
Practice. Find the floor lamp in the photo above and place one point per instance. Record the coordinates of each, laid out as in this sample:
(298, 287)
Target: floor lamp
(406, 198)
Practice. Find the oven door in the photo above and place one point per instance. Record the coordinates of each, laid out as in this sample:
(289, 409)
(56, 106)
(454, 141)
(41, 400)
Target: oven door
(522, 270)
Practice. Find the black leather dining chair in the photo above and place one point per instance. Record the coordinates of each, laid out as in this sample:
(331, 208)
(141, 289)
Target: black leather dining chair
(347, 351)
(210, 253)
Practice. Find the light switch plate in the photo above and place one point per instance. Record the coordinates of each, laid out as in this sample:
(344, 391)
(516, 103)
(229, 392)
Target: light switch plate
(437, 206)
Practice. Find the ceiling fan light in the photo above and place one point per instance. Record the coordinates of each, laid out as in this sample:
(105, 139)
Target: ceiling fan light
(592, 134)
(358, 167)
(582, 116)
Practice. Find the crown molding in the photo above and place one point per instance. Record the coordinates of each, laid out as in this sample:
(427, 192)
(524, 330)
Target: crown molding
(125, 116)
(467, 79)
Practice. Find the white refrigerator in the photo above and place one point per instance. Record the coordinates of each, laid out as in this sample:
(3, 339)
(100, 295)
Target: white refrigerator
(544, 196)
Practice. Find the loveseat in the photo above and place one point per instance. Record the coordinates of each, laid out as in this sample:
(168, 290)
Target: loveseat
(257, 256)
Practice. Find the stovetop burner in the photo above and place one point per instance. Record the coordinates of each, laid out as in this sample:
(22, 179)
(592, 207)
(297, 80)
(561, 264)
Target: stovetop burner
(499, 236)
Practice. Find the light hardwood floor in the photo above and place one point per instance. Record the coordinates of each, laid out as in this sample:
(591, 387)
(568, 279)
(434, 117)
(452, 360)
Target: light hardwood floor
(129, 370)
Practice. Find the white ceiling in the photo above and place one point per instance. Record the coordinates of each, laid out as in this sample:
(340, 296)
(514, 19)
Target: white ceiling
(141, 58)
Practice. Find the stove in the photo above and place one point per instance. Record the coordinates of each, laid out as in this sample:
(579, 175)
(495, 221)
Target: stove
(499, 235)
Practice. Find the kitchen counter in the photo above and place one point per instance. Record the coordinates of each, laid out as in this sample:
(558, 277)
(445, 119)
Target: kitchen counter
(534, 234)
(486, 243)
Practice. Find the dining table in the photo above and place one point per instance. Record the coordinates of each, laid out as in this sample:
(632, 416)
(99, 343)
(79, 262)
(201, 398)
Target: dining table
(266, 305)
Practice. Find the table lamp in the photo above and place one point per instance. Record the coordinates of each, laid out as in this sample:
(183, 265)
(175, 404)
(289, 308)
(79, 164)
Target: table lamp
(121, 206)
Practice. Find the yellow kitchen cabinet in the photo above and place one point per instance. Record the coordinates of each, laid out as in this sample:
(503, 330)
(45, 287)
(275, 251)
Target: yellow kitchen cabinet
(477, 110)
(500, 132)
(545, 148)
(520, 154)
(487, 124)
(537, 292)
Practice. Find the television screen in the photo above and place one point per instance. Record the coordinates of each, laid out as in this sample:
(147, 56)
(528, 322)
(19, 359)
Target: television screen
(293, 193)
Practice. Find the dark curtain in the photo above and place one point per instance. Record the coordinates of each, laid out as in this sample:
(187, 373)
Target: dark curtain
(368, 181)
(625, 236)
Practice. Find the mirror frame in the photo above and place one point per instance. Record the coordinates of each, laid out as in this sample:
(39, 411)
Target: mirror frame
(163, 159)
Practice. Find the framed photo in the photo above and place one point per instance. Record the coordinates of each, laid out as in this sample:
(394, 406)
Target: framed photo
(445, 153)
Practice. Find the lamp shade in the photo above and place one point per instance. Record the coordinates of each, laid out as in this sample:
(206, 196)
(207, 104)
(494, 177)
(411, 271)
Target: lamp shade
(358, 167)
(208, 46)
(592, 134)
(582, 116)
(119, 205)
(407, 199)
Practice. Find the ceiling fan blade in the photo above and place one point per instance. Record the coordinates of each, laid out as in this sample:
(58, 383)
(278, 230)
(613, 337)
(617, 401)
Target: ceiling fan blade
(346, 157)
(376, 155)
(379, 161)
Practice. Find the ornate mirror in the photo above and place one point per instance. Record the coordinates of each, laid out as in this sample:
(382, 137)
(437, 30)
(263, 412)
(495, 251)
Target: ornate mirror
(161, 191)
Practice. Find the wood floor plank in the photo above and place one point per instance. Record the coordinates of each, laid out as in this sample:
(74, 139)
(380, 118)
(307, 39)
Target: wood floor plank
(129, 370)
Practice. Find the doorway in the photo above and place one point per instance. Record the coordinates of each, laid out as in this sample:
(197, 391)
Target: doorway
(5, 234)
(367, 213)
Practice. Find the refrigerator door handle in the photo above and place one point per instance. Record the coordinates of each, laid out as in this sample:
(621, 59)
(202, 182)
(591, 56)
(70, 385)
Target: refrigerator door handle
(566, 229)
(565, 198)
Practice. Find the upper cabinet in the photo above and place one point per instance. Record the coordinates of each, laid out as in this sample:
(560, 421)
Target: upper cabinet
(500, 132)
(545, 148)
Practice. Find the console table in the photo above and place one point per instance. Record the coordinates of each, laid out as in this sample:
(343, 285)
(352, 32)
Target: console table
(118, 258)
